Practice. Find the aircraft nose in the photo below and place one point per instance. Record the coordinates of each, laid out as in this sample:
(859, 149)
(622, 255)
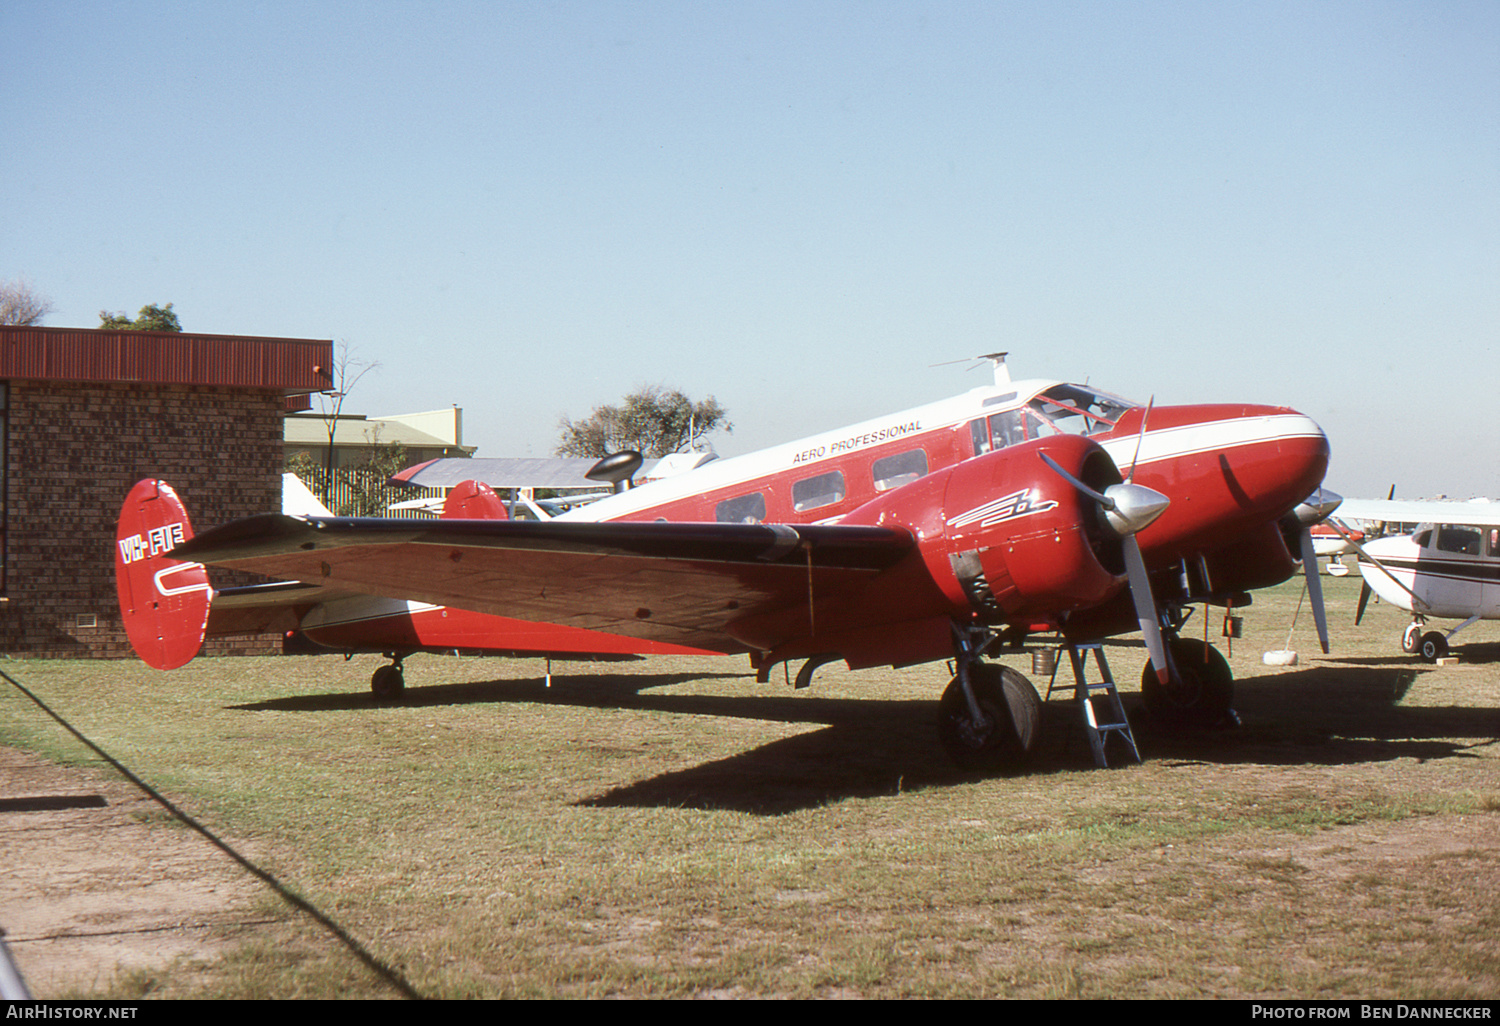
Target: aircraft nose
(1306, 450)
(1283, 452)
(1227, 468)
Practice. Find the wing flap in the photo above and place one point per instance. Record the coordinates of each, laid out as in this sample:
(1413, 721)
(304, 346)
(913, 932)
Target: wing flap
(264, 608)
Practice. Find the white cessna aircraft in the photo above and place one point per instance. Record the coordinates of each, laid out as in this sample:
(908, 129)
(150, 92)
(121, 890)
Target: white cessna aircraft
(1448, 569)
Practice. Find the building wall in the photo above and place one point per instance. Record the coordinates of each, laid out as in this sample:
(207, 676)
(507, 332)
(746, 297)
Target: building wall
(73, 450)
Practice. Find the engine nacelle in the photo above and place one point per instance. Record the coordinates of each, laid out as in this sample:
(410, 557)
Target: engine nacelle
(1005, 537)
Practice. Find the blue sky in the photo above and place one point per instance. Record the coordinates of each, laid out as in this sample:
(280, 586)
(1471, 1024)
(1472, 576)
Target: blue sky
(807, 210)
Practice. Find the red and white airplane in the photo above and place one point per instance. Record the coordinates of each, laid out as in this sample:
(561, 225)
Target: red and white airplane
(942, 532)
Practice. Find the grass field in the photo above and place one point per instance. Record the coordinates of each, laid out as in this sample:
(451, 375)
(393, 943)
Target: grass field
(670, 828)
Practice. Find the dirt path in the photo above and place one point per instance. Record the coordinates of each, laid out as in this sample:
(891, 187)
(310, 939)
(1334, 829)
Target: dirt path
(97, 882)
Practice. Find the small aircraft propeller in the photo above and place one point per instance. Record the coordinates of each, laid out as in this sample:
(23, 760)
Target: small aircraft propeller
(1418, 603)
(1129, 508)
(1364, 599)
(1130, 477)
(1315, 509)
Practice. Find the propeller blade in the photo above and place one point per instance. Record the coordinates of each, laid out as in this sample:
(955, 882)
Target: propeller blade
(1130, 477)
(1314, 586)
(1098, 497)
(1364, 598)
(1145, 606)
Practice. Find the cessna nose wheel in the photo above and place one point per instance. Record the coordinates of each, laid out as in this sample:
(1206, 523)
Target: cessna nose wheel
(1411, 638)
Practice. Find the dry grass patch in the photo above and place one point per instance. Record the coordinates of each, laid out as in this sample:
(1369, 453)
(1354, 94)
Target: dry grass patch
(670, 828)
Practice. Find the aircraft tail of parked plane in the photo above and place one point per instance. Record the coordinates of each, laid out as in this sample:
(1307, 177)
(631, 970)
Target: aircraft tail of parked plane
(163, 601)
(169, 606)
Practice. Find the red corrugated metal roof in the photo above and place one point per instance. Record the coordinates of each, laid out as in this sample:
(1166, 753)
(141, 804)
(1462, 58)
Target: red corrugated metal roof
(171, 358)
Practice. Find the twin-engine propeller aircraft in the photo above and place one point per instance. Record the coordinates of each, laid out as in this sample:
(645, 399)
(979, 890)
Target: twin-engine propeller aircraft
(942, 532)
(1448, 569)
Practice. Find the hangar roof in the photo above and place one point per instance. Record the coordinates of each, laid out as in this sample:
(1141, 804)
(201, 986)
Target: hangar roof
(289, 365)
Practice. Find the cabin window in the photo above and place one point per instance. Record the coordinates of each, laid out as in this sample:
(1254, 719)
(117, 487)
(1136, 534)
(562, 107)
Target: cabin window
(1464, 540)
(744, 509)
(1006, 429)
(981, 436)
(901, 469)
(1001, 430)
(813, 492)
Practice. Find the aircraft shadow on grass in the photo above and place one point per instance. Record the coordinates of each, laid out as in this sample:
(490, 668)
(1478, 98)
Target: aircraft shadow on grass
(1329, 714)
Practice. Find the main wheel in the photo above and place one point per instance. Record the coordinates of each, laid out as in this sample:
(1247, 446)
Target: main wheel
(1198, 693)
(1009, 703)
(1411, 638)
(387, 682)
(1434, 646)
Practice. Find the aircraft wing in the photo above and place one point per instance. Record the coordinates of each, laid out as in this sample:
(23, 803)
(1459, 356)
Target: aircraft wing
(1401, 511)
(680, 582)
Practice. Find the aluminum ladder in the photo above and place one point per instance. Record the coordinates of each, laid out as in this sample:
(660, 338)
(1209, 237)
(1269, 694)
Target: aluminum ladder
(1097, 699)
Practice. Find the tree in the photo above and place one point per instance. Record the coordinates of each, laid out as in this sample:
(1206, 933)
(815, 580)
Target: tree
(151, 318)
(20, 306)
(652, 420)
(346, 373)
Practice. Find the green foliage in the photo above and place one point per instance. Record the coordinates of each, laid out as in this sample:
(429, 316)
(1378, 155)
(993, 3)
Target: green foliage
(151, 318)
(652, 420)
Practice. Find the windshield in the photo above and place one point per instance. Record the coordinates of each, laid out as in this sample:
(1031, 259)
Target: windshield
(1077, 410)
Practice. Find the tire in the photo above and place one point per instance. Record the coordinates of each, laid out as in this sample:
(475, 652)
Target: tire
(387, 683)
(1411, 639)
(1434, 646)
(1015, 713)
(1201, 691)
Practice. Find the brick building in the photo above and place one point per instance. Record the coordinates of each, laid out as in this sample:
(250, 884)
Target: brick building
(84, 414)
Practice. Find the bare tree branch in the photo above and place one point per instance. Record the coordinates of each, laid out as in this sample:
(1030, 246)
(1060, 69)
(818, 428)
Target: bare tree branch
(20, 306)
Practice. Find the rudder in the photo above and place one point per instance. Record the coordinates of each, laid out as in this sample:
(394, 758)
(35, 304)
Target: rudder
(473, 500)
(163, 602)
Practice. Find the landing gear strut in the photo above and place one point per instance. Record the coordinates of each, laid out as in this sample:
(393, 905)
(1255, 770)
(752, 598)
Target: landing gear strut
(990, 717)
(388, 682)
(1431, 645)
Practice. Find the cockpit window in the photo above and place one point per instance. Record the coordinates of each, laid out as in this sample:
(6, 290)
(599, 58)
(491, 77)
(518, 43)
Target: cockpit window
(1076, 410)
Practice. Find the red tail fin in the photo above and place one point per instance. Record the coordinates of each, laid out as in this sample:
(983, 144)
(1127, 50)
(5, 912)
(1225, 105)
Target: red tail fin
(473, 500)
(164, 602)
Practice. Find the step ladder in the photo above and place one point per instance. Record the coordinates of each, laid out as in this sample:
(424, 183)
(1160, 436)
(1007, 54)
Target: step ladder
(1097, 700)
